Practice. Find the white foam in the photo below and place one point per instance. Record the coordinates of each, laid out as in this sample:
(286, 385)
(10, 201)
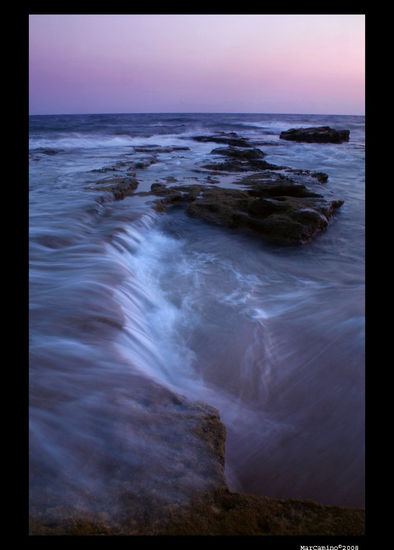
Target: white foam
(78, 140)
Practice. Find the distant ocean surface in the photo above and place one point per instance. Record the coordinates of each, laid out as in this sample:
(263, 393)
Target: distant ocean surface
(273, 337)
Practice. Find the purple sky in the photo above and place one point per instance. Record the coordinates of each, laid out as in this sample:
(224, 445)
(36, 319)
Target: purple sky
(197, 63)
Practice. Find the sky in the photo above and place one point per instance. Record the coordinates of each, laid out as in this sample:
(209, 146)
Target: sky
(82, 64)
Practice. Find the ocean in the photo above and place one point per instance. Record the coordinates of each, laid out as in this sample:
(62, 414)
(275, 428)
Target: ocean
(271, 336)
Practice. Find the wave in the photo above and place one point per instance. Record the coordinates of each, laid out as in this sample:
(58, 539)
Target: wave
(79, 140)
(97, 141)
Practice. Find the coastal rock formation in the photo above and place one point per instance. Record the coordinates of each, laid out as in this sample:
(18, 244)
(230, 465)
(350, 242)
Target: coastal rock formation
(271, 206)
(321, 177)
(225, 513)
(120, 187)
(158, 148)
(179, 488)
(318, 134)
(236, 165)
(229, 138)
(274, 204)
(246, 159)
(165, 450)
(242, 154)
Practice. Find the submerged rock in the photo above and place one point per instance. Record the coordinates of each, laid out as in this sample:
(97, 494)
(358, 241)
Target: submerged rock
(46, 151)
(318, 134)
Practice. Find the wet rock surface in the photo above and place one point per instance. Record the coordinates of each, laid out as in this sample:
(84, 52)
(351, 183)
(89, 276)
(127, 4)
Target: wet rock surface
(119, 186)
(157, 455)
(276, 203)
(37, 153)
(159, 148)
(235, 165)
(229, 138)
(318, 134)
(179, 488)
(271, 206)
(239, 153)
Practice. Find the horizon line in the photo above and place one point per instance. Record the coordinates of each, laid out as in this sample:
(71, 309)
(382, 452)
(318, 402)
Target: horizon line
(192, 113)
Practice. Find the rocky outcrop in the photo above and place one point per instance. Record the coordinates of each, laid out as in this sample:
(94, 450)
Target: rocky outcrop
(36, 154)
(120, 187)
(235, 165)
(239, 160)
(275, 203)
(229, 138)
(321, 177)
(159, 148)
(250, 153)
(179, 488)
(225, 513)
(164, 450)
(318, 134)
(272, 206)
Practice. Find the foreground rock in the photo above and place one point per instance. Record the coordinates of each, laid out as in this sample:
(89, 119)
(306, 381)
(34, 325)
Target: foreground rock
(224, 513)
(318, 134)
(271, 206)
(160, 451)
(178, 488)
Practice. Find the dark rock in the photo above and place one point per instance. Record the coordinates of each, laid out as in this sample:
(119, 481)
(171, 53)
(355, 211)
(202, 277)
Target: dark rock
(144, 163)
(159, 148)
(50, 151)
(120, 187)
(321, 177)
(180, 490)
(182, 443)
(272, 205)
(176, 193)
(104, 169)
(158, 188)
(47, 151)
(225, 513)
(230, 139)
(241, 154)
(235, 165)
(284, 220)
(318, 134)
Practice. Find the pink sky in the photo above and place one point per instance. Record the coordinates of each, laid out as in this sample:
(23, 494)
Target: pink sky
(197, 63)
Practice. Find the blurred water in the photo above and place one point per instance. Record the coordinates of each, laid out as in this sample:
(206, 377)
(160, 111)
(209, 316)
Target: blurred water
(273, 337)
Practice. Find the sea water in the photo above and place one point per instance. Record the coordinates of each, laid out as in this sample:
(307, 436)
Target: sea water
(273, 337)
